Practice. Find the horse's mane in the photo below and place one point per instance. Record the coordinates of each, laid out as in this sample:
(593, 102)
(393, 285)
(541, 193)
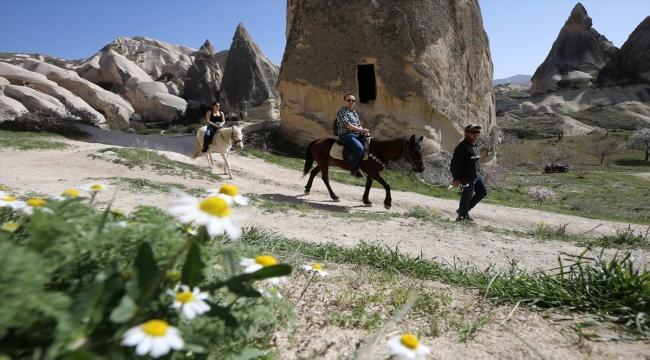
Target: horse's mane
(403, 138)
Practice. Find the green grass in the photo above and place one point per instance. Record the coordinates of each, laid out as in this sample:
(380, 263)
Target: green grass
(608, 117)
(616, 290)
(151, 159)
(137, 185)
(27, 140)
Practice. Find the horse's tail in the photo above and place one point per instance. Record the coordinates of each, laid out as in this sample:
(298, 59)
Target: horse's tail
(198, 149)
(309, 159)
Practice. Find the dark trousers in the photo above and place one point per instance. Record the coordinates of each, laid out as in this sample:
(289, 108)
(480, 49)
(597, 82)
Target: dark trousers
(353, 141)
(209, 135)
(474, 191)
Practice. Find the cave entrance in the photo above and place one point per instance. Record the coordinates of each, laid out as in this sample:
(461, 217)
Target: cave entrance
(367, 83)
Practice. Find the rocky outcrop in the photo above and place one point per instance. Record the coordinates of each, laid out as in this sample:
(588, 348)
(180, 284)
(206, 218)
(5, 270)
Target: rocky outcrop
(417, 66)
(576, 58)
(249, 79)
(203, 79)
(9, 107)
(504, 91)
(111, 105)
(150, 99)
(20, 77)
(634, 58)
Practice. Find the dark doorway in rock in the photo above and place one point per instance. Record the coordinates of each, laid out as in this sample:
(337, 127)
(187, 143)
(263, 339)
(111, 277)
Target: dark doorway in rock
(367, 83)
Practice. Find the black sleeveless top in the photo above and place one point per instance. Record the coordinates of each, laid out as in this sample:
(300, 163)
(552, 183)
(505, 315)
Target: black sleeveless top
(215, 118)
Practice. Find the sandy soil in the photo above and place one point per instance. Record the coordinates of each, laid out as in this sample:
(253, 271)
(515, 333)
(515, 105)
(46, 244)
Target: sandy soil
(51, 171)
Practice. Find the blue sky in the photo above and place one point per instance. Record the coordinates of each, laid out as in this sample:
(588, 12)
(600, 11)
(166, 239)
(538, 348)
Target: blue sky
(521, 32)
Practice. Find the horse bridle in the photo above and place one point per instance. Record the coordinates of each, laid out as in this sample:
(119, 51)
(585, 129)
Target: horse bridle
(409, 158)
(232, 137)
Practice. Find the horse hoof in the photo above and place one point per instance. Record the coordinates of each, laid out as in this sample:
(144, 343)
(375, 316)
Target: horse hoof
(306, 192)
(387, 207)
(336, 200)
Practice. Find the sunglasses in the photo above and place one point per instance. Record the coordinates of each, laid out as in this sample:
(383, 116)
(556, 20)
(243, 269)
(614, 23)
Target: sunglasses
(351, 100)
(474, 132)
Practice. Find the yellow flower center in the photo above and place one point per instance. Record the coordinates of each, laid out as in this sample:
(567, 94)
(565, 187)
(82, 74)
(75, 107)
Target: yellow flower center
(266, 260)
(173, 275)
(410, 341)
(185, 297)
(230, 190)
(9, 227)
(97, 187)
(37, 203)
(8, 198)
(317, 267)
(215, 206)
(70, 193)
(155, 327)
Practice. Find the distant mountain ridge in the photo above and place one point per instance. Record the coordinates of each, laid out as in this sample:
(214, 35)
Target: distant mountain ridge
(523, 80)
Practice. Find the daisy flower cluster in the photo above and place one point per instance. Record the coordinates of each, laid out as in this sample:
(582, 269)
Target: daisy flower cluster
(407, 346)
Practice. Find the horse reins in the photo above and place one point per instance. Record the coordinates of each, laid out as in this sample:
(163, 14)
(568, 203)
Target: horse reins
(408, 157)
(232, 137)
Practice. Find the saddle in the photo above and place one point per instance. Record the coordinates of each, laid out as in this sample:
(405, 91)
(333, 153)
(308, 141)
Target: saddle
(342, 152)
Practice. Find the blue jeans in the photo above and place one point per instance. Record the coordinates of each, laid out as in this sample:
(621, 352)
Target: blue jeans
(474, 191)
(353, 142)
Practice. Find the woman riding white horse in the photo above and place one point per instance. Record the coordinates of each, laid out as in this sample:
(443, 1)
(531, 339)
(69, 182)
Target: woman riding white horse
(222, 142)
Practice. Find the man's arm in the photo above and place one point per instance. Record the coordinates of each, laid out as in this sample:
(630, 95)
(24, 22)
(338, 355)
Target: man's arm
(456, 163)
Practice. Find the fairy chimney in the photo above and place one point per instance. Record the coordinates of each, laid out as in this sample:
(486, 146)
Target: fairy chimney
(576, 58)
(635, 53)
(203, 79)
(249, 80)
(416, 67)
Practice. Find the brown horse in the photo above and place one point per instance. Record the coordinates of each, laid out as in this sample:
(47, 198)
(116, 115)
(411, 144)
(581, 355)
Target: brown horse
(384, 151)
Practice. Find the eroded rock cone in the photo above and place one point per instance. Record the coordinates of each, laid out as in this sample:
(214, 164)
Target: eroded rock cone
(634, 58)
(249, 79)
(577, 56)
(203, 80)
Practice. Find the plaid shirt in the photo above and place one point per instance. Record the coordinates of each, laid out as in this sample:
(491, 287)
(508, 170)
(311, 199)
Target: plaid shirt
(344, 117)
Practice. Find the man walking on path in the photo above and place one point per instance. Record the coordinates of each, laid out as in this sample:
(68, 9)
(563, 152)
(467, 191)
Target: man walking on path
(466, 172)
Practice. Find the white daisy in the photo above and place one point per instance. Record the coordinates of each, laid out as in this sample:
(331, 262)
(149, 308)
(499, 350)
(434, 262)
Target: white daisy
(155, 337)
(407, 347)
(230, 193)
(67, 194)
(213, 213)
(262, 261)
(10, 226)
(94, 187)
(33, 204)
(191, 302)
(271, 292)
(316, 267)
(10, 200)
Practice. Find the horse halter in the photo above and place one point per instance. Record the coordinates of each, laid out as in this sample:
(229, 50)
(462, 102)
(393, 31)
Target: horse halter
(232, 137)
(409, 157)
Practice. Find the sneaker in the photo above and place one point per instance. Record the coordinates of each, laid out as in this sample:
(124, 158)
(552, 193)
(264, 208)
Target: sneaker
(461, 218)
(204, 150)
(356, 173)
(469, 218)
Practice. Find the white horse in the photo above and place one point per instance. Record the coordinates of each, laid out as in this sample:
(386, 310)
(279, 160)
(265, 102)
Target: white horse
(222, 142)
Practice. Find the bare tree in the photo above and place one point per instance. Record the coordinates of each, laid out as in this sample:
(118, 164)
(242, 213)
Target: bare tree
(556, 154)
(603, 151)
(538, 193)
(639, 141)
(601, 102)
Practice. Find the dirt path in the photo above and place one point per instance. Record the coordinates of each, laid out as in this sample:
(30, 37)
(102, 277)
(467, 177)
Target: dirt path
(49, 172)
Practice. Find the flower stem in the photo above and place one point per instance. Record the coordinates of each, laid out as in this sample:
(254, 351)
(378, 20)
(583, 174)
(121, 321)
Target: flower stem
(306, 286)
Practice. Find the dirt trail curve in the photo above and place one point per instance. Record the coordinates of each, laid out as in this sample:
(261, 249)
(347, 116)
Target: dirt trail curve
(51, 171)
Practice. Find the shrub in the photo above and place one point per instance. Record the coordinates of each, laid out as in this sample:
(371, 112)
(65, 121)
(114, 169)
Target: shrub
(540, 194)
(639, 141)
(47, 120)
(493, 175)
(560, 154)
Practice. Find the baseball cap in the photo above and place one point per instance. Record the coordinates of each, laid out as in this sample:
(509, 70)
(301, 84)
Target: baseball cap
(472, 126)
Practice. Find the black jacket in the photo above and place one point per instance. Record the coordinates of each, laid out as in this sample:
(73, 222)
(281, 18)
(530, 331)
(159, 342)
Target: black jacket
(465, 162)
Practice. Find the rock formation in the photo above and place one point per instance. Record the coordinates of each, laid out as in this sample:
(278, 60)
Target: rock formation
(416, 66)
(203, 79)
(33, 97)
(9, 107)
(111, 105)
(576, 58)
(118, 74)
(634, 58)
(249, 79)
